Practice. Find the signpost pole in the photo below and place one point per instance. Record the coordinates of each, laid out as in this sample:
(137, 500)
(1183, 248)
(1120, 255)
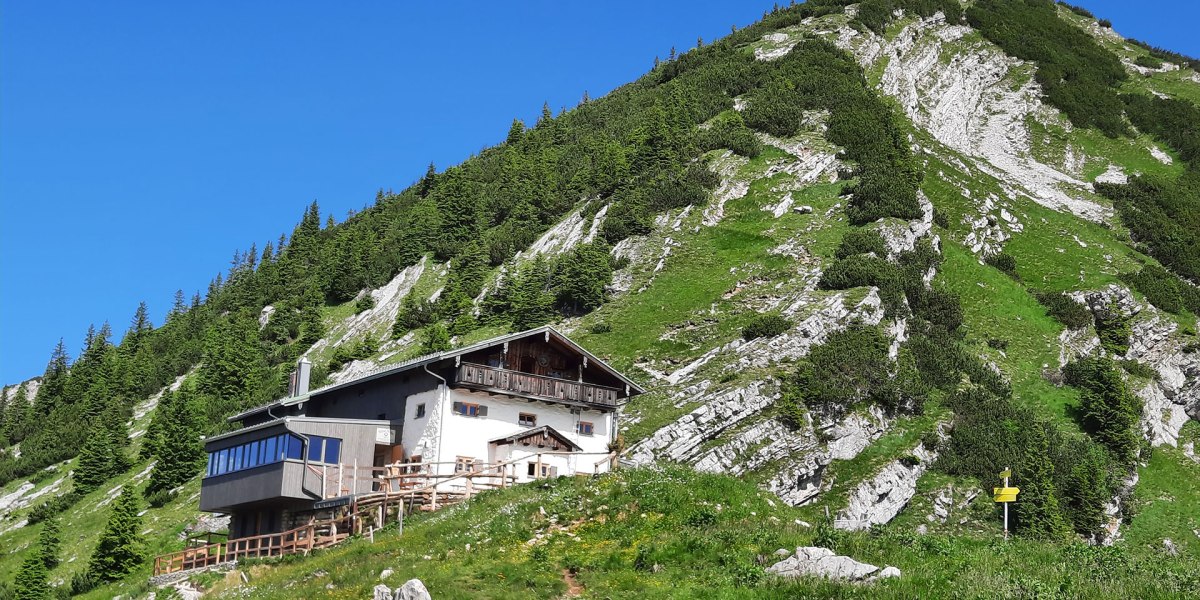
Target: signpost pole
(1004, 495)
(1006, 472)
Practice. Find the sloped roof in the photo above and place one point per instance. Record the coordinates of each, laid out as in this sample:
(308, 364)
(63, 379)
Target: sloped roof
(545, 430)
(420, 361)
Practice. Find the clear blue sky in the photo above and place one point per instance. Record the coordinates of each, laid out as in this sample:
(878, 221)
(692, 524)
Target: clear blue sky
(141, 143)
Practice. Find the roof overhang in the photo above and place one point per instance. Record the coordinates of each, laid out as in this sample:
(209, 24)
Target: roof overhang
(546, 331)
(521, 436)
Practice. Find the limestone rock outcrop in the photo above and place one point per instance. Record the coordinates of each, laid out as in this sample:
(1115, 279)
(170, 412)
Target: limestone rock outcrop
(814, 561)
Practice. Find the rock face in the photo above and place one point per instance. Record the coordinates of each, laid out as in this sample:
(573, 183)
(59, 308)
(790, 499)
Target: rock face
(680, 440)
(879, 499)
(1174, 395)
(976, 105)
(412, 589)
(814, 561)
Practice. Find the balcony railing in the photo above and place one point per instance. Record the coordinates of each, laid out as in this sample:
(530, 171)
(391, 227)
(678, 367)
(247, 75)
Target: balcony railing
(528, 384)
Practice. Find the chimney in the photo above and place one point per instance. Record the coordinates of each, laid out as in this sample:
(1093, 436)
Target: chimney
(298, 382)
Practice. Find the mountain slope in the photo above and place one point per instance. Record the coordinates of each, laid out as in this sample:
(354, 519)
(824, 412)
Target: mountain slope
(893, 184)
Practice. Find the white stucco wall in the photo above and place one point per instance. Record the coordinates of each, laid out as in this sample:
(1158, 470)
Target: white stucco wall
(442, 436)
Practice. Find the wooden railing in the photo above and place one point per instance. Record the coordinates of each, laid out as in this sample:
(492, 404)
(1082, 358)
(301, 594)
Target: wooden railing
(475, 375)
(303, 539)
(396, 485)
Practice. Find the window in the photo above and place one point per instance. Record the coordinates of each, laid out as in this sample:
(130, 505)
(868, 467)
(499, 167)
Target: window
(324, 450)
(533, 470)
(333, 447)
(421, 410)
(527, 419)
(584, 428)
(468, 409)
(295, 448)
(256, 453)
(463, 464)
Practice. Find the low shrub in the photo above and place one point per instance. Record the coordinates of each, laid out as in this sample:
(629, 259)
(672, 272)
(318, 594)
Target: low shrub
(1003, 261)
(765, 326)
(1148, 62)
(1065, 309)
(862, 241)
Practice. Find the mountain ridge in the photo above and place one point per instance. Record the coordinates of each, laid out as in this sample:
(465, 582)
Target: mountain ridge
(767, 230)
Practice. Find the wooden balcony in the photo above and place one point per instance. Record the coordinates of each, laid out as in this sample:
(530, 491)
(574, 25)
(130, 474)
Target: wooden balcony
(527, 384)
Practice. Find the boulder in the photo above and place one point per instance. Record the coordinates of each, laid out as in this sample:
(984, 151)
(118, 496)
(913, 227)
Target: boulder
(412, 589)
(814, 561)
(381, 592)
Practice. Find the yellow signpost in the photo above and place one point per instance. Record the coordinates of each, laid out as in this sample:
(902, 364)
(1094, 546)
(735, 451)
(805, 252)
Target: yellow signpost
(1005, 495)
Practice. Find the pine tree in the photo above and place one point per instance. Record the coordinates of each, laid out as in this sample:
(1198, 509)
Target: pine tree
(119, 550)
(531, 296)
(234, 366)
(95, 464)
(515, 132)
(54, 381)
(1111, 414)
(4, 394)
(18, 413)
(437, 339)
(1088, 489)
(428, 181)
(31, 583)
(178, 307)
(179, 450)
(1037, 510)
(581, 281)
(49, 542)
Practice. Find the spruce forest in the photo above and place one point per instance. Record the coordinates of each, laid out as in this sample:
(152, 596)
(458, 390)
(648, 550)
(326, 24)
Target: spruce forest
(862, 255)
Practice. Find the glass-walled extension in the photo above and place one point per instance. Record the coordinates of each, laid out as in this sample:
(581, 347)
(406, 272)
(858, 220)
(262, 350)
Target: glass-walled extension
(272, 450)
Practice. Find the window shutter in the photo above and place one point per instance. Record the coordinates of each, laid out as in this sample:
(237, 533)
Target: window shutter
(481, 411)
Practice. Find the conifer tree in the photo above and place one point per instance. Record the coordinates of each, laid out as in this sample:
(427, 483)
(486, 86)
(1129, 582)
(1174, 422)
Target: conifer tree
(54, 381)
(1037, 510)
(1087, 489)
(515, 132)
(119, 550)
(153, 438)
(4, 394)
(18, 413)
(179, 450)
(531, 297)
(1111, 414)
(426, 184)
(583, 277)
(31, 583)
(233, 367)
(95, 464)
(178, 307)
(49, 542)
(437, 339)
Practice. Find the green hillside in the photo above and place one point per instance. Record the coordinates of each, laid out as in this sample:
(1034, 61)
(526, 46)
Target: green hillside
(894, 244)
